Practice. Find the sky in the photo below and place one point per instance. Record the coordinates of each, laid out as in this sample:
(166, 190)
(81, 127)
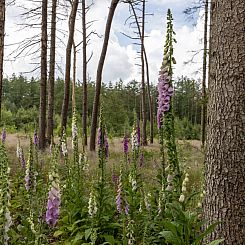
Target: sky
(121, 60)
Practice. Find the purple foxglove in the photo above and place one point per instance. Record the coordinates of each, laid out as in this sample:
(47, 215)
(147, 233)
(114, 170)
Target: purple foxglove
(4, 135)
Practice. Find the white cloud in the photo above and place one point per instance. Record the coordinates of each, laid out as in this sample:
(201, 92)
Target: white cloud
(121, 57)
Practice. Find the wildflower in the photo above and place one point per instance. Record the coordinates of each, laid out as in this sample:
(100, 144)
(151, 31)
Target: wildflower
(29, 169)
(147, 202)
(119, 199)
(54, 196)
(165, 92)
(20, 155)
(92, 205)
(4, 135)
(35, 139)
(126, 208)
(125, 144)
(52, 212)
(64, 148)
(182, 198)
(74, 129)
(105, 143)
(5, 217)
(169, 187)
(134, 140)
(114, 178)
(119, 193)
(170, 178)
(138, 134)
(130, 232)
(183, 188)
(133, 182)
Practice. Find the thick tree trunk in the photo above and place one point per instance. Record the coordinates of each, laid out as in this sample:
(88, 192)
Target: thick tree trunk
(85, 93)
(144, 118)
(50, 125)
(43, 81)
(112, 9)
(2, 25)
(204, 72)
(225, 170)
(65, 105)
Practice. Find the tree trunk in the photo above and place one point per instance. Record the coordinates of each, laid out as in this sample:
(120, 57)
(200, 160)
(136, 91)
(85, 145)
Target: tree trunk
(74, 76)
(204, 72)
(50, 125)
(144, 118)
(225, 170)
(144, 62)
(2, 25)
(65, 105)
(149, 99)
(43, 81)
(85, 93)
(112, 9)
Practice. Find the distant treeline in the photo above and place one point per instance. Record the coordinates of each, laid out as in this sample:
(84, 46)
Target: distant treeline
(120, 100)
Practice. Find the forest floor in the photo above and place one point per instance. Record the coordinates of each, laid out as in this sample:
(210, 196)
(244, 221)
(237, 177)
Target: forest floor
(190, 154)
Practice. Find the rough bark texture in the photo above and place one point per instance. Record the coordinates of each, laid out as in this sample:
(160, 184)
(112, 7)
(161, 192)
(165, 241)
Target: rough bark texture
(65, 105)
(144, 118)
(225, 159)
(2, 24)
(85, 93)
(112, 9)
(50, 124)
(204, 72)
(43, 81)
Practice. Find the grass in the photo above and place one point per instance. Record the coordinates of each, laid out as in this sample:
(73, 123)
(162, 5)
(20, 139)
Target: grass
(189, 151)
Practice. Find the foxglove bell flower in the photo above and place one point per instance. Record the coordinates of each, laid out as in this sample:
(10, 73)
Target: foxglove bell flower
(74, 129)
(92, 205)
(106, 143)
(134, 140)
(165, 92)
(35, 139)
(54, 196)
(138, 134)
(125, 144)
(53, 205)
(20, 155)
(29, 169)
(4, 135)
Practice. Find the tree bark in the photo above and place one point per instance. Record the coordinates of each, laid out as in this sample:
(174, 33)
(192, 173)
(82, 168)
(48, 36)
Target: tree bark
(2, 28)
(65, 105)
(149, 98)
(74, 76)
(50, 125)
(43, 81)
(85, 93)
(225, 168)
(112, 9)
(144, 118)
(204, 72)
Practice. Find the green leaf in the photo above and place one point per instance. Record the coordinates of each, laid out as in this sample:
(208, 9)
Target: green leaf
(169, 237)
(110, 239)
(206, 232)
(216, 242)
(88, 233)
(79, 236)
(58, 233)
